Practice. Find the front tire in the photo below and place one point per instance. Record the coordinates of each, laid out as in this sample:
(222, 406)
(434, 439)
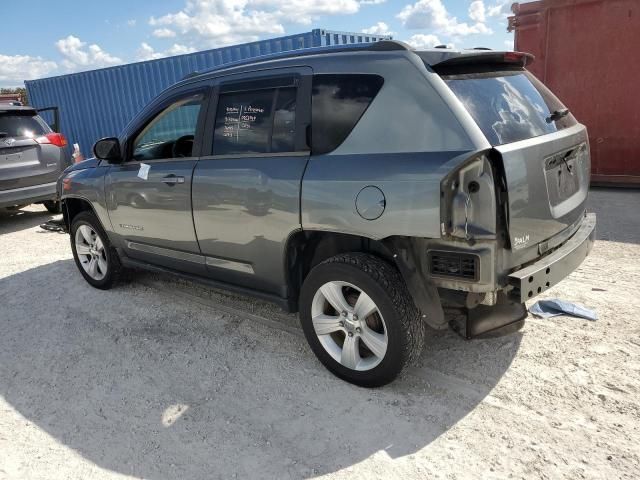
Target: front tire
(96, 259)
(359, 319)
(53, 206)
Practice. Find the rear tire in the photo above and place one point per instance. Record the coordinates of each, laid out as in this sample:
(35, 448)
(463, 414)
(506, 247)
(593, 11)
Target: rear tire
(94, 255)
(53, 206)
(369, 351)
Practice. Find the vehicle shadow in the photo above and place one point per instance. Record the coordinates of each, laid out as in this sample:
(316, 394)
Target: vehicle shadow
(22, 219)
(617, 211)
(145, 384)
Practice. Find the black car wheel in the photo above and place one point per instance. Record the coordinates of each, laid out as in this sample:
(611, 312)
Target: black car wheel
(96, 259)
(359, 319)
(53, 206)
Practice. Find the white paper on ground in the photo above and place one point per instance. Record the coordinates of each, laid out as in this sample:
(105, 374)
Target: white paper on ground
(143, 173)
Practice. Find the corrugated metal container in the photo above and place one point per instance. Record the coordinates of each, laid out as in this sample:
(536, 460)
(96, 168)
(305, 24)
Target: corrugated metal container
(586, 52)
(99, 103)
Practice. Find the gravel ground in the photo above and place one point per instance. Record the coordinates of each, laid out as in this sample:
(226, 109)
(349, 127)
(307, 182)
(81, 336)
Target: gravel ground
(163, 379)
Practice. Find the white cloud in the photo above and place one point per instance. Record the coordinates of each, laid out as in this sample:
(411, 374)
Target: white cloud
(477, 11)
(379, 28)
(214, 23)
(509, 44)
(433, 14)
(177, 49)
(14, 69)
(132, 23)
(77, 56)
(147, 52)
(421, 41)
(501, 8)
(164, 33)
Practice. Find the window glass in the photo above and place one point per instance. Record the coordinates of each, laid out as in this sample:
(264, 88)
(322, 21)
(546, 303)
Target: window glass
(16, 125)
(338, 102)
(509, 106)
(284, 121)
(171, 133)
(260, 121)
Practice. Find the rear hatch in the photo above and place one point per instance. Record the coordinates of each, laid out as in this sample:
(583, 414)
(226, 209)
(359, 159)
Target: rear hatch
(544, 150)
(30, 153)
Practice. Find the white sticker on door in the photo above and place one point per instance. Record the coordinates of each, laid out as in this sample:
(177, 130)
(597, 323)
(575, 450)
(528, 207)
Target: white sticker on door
(143, 173)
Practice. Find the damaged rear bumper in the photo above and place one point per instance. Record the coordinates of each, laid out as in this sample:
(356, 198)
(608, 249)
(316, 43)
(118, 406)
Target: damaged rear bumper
(550, 270)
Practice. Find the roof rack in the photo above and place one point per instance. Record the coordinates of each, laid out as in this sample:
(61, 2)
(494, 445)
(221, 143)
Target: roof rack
(379, 46)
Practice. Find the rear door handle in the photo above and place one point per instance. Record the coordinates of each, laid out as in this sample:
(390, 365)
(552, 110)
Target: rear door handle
(172, 179)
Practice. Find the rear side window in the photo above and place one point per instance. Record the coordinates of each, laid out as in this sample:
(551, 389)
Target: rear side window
(508, 106)
(338, 102)
(22, 125)
(260, 121)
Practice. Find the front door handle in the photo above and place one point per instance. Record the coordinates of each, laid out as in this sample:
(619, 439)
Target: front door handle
(172, 179)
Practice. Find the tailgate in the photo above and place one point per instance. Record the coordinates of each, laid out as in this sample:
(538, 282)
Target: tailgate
(24, 162)
(547, 182)
(544, 150)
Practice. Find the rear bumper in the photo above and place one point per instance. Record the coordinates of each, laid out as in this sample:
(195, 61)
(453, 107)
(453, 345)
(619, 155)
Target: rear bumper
(27, 195)
(550, 270)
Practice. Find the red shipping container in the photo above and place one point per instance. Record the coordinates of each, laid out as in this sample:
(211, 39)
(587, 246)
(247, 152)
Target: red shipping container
(588, 53)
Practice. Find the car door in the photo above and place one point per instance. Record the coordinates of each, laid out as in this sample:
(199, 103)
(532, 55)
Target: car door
(246, 189)
(149, 194)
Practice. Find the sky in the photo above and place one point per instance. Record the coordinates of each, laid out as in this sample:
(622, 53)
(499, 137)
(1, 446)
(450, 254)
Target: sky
(68, 36)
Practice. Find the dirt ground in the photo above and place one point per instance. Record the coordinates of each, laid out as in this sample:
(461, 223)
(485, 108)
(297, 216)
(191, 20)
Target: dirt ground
(164, 379)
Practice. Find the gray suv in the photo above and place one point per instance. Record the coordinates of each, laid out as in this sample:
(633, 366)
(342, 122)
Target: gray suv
(32, 157)
(368, 188)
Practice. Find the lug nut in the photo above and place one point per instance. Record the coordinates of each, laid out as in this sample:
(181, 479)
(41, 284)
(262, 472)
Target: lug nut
(351, 334)
(344, 313)
(355, 317)
(341, 323)
(358, 330)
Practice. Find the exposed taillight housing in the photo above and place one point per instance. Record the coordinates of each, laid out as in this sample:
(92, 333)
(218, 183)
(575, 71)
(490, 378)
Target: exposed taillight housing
(56, 139)
(468, 201)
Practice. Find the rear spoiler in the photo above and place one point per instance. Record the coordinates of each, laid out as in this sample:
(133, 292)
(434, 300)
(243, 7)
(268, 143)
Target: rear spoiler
(483, 60)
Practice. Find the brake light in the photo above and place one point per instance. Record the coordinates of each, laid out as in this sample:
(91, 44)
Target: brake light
(56, 139)
(516, 57)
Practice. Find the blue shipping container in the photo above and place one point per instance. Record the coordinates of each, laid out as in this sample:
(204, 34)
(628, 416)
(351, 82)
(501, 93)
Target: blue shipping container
(99, 103)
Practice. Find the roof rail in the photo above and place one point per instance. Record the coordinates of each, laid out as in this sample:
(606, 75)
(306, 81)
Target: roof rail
(379, 46)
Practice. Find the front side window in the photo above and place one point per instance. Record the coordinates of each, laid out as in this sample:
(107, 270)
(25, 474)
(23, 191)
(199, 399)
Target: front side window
(254, 122)
(337, 103)
(171, 133)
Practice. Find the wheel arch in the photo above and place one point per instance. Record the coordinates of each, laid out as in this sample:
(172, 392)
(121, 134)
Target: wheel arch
(307, 248)
(72, 206)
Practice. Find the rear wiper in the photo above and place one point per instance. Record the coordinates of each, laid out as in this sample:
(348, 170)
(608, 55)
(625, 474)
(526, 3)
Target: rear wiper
(557, 115)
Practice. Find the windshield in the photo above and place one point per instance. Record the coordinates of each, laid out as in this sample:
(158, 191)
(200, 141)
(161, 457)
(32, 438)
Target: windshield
(18, 125)
(509, 106)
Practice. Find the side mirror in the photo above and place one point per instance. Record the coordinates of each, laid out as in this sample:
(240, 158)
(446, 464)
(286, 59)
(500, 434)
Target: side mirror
(108, 149)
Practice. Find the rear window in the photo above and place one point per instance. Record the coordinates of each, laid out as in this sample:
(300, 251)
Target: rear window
(21, 125)
(338, 102)
(508, 106)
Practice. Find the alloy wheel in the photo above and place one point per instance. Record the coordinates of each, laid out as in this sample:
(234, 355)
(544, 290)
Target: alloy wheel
(349, 325)
(91, 252)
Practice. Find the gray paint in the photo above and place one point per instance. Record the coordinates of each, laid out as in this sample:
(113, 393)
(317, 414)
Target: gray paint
(233, 216)
(410, 183)
(534, 215)
(244, 210)
(28, 170)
